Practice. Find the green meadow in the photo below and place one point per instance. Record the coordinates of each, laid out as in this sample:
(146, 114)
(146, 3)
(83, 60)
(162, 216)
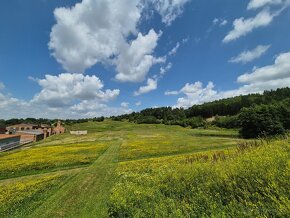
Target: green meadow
(121, 169)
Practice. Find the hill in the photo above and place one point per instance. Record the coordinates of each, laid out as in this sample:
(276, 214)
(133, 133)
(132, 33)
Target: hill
(272, 110)
(122, 169)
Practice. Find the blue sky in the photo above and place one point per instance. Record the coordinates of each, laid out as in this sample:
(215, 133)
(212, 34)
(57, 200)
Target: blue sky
(74, 59)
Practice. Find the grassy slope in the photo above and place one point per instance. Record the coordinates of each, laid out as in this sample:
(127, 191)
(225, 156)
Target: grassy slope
(86, 190)
(249, 183)
(85, 195)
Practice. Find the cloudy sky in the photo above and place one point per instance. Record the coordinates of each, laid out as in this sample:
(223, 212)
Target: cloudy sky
(89, 58)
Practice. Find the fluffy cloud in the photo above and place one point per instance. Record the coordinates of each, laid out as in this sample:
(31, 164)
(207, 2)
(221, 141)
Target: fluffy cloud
(279, 70)
(194, 94)
(244, 26)
(98, 31)
(7, 103)
(136, 59)
(64, 96)
(169, 9)
(92, 31)
(64, 89)
(150, 86)
(220, 22)
(248, 56)
(254, 4)
(268, 77)
(124, 104)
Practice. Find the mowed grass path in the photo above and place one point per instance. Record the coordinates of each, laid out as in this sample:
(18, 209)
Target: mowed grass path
(86, 165)
(85, 195)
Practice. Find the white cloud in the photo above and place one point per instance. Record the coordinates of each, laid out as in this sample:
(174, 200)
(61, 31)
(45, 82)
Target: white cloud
(9, 102)
(223, 23)
(244, 26)
(279, 70)
(169, 9)
(2, 86)
(92, 31)
(136, 59)
(268, 77)
(64, 89)
(215, 21)
(194, 94)
(150, 86)
(248, 56)
(255, 4)
(124, 104)
(80, 97)
(219, 21)
(174, 50)
(163, 70)
(108, 111)
(106, 32)
(88, 105)
(138, 103)
(172, 92)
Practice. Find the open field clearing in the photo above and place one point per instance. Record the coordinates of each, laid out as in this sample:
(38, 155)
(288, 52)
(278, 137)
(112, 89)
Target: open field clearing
(43, 159)
(122, 169)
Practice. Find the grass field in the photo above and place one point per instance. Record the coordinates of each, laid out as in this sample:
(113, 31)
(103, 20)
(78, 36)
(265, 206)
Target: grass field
(122, 169)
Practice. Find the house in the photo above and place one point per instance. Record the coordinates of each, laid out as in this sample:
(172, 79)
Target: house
(27, 136)
(59, 129)
(2, 129)
(44, 128)
(21, 127)
(8, 142)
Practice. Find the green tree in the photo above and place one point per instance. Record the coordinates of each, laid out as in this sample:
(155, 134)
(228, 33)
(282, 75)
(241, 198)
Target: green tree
(260, 121)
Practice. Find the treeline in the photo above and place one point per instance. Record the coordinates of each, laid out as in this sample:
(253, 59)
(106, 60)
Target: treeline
(232, 106)
(255, 114)
(48, 121)
(27, 121)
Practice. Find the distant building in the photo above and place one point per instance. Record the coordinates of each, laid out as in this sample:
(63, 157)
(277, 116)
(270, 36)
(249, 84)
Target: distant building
(45, 129)
(83, 132)
(2, 129)
(27, 136)
(20, 127)
(8, 142)
(59, 129)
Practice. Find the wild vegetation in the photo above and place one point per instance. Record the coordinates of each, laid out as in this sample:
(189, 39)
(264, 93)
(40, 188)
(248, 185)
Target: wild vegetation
(248, 183)
(122, 169)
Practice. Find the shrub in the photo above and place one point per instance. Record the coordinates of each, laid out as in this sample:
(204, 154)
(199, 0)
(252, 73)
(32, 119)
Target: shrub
(260, 121)
(147, 120)
(228, 122)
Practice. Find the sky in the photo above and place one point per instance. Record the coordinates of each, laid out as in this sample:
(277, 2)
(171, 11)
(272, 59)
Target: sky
(90, 58)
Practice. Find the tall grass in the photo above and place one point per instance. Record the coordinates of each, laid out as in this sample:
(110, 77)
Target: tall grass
(43, 159)
(20, 197)
(252, 182)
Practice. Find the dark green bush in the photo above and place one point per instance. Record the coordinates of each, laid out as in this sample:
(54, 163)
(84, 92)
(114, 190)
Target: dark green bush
(229, 122)
(260, 121)
(147, 120)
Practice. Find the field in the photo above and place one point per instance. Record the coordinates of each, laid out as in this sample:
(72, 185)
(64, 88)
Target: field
(122, 169)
